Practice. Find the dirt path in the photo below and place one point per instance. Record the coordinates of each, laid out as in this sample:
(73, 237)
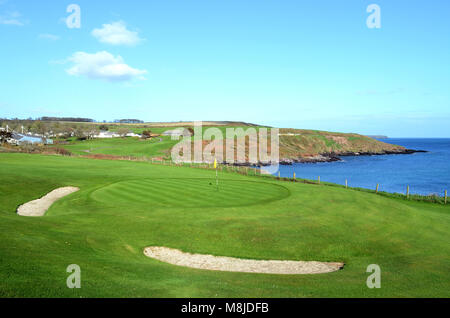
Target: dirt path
(229, 264)
(40, 206)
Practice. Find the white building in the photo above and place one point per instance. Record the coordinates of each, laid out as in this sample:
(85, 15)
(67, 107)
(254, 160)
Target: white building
(106, 134)
(177, 132)
(112, 134)
(131, 134)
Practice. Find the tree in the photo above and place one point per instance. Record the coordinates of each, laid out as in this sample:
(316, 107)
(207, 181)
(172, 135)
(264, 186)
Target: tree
(41, 129)
(80, 132)
(91, 132)
(55, 128)
(123, 132)
(14, 125)
(28, 125)
(71, 119)
(4, 136)
(146, 134)
(129, 121)
(66, 130)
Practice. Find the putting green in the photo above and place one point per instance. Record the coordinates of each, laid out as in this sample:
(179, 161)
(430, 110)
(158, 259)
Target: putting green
(196, 192)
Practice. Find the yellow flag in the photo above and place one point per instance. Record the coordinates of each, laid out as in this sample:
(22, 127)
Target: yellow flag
(215, 163)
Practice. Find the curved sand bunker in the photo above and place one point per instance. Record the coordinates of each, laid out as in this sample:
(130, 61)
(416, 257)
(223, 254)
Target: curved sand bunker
(40, 206)
(230, 264)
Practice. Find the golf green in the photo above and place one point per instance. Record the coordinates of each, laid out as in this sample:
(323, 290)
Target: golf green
(199, 192)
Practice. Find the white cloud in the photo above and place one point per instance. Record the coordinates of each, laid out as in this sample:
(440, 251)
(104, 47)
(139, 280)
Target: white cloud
(103, 66)
(47, 36)
(12, 18)
(116, 33)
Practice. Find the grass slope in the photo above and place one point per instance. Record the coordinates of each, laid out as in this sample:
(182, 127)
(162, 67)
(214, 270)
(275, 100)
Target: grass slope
(123, 207)
(129, 146)
(294, 143)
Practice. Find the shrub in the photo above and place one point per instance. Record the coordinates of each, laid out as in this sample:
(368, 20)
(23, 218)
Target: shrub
(146, 134)
(61, 151)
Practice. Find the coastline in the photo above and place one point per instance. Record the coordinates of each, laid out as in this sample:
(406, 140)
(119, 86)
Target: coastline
(333, 157)
(327, 157)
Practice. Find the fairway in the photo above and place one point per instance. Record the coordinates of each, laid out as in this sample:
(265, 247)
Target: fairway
(123, 146)
(123, 207)
(178, 192)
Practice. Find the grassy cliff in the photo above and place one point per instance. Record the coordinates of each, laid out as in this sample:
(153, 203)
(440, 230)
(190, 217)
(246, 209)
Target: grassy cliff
(295, 144)
(298, 143)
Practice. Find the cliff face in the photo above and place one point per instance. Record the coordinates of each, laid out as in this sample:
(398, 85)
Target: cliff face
(315, 146)
(309, 146)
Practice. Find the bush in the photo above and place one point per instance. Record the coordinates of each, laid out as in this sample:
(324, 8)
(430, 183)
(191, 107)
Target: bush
(146, 134)
(60, 151)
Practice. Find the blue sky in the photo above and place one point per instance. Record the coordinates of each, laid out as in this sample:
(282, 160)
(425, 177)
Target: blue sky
(300, 64)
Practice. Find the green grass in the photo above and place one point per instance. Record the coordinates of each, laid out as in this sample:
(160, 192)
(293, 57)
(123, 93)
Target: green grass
(129, 146)
(123, 207)
(162, 129)
(170, 193)
(134, 147)
(139, 130)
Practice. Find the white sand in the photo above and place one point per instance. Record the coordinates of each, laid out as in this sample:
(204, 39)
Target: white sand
(229, 264)
(40, 206)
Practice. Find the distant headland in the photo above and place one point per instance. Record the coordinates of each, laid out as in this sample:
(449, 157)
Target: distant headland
(377, 136)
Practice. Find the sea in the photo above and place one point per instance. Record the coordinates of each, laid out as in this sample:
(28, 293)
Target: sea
(425, 173)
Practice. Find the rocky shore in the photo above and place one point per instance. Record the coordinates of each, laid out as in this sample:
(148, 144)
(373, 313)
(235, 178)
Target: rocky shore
(331, 157)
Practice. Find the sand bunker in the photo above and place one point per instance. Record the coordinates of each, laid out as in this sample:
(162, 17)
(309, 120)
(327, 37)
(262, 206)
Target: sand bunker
(229, 264)
(40, 206)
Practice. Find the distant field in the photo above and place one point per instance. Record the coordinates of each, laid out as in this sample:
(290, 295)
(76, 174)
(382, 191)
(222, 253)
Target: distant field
(123, 207)
(161, 129)
(155, 147)
(123, 147)
(171, 124)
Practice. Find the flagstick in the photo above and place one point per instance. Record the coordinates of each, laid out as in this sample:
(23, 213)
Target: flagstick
(217, 181)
